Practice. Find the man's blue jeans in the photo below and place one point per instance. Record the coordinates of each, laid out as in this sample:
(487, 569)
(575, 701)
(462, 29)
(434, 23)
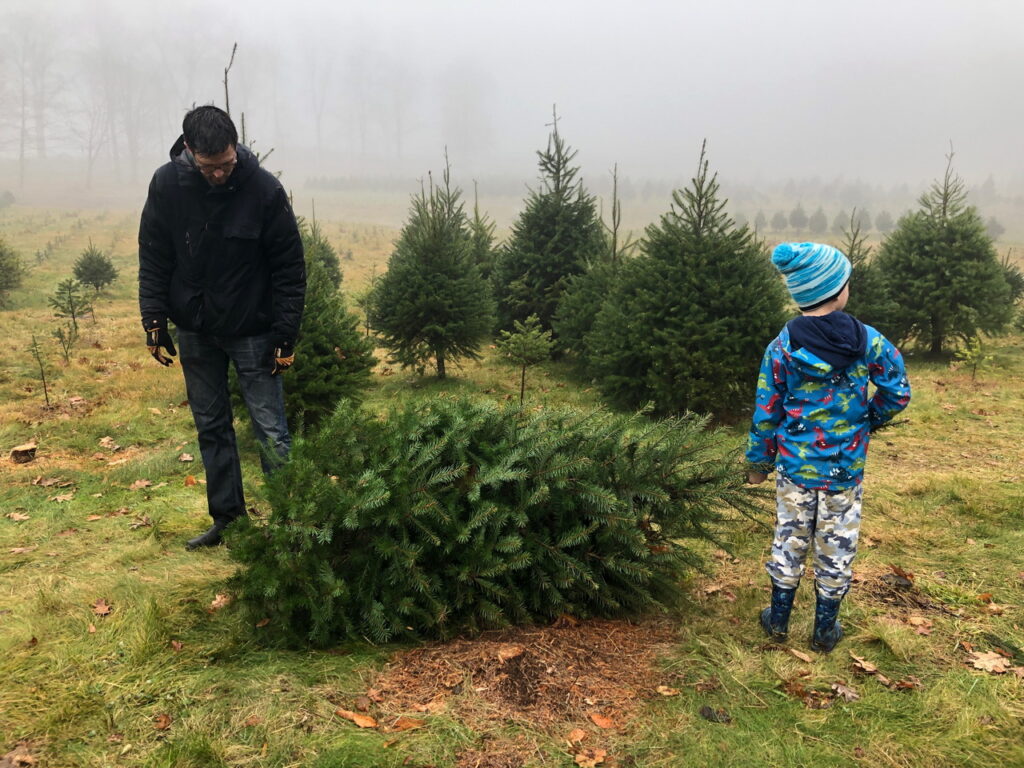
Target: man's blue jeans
(204, 361)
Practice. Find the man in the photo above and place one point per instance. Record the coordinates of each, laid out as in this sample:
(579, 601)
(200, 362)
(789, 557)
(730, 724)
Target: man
(220, 256)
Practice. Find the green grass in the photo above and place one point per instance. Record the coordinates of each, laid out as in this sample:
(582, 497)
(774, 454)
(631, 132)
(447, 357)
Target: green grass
(944, 500)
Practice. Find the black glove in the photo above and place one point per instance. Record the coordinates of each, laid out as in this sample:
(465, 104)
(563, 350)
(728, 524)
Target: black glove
(284, 356)
(157, 337)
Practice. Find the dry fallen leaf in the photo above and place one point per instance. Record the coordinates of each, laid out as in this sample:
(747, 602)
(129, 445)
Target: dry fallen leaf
(363, 703)
(590, 757)
(155, 411)
(990, 661)
(706, 686)
(140, 522)
(601, 721)
(186, 457)
(251, 721)
(101, 607)
(108, 443)
(262, 623)
(139, 484)
(177, 645)
(863, 665)
(62, 497)
(375, 695)
(19, 757)
(162, 722)
(985, 597)
(801, 655)
(664, 690)
(405, 723)
(363, 721)
(92, 629)
(576, 735)
(844, 692)
(220, 601)
(93, 518)
(715, 715)
(190, 480)
(21, 550)
(17, 517)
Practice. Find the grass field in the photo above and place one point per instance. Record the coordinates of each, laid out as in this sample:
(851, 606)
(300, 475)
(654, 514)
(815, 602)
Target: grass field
(114, 650)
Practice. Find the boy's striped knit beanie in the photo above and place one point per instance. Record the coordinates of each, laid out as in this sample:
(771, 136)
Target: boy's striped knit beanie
(814, 273)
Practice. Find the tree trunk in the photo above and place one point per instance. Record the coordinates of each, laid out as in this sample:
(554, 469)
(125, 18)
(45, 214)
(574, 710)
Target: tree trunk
(440, 365)
(522, 386)
(937, 335)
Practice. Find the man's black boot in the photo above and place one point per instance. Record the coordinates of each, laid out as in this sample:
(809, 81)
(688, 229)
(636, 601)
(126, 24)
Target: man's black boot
(210, 538)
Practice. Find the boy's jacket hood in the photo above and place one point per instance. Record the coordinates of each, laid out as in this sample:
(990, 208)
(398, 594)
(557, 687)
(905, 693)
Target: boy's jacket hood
(823, 344)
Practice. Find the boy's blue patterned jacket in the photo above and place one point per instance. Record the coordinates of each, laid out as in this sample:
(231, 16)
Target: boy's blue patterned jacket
(813, 421)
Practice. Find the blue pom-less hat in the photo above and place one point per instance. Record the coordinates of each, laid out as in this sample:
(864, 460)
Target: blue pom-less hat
(814, 272)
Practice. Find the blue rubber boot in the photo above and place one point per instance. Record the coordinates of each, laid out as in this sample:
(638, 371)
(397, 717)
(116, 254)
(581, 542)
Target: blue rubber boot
(827, 629)
(775, 618)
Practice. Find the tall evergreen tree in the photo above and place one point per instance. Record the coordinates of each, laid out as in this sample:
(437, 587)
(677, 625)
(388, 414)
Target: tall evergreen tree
(319, 250)
(432, 303)
(818, 223)
(686, 325)
(840, 222)
(884, 222)
(780, 221)
(760, 222)
(557, 236)
(798, 218)
(944, 265)
(12, 272)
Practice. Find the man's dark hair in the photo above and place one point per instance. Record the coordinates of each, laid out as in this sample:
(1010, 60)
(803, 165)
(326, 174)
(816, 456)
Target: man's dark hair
(209, 131)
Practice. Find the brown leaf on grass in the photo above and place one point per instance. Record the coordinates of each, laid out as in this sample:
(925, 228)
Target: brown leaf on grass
(19, 757)
(50, 481)
(576, 735)
(908, 683)
(990, 661)
(601, 721)
(99, 456)
(844, 692)
(68, 532)
(102, 608)
(921, 625)
(405, 723)
(863, 666)
(711, 589)
(706, 686)
(32, 642)
(22, 550)
(251, 721)
(363, 703)
(155, 411)
(190, 480)
(993, 609)
(590, 757)
(92, 629)
(664, 690)
(62, 497)
(177, 645)
(363, 721)
(115, 738)
(140, 522)
(221, 600)
(186, 457)
(162, 722)
(801, 655)
(140, 484)
(17, 517)
(375, 695)
(715, 715)
(262, 623)
(93, 518)
(108, 442)
(985, 597)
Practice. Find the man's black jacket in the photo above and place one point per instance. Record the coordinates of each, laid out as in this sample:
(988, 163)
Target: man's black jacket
(223, 260)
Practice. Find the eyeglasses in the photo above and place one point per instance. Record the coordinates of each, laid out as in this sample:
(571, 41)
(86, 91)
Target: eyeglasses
(208, 169)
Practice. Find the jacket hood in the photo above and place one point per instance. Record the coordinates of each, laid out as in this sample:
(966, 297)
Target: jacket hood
(186, 165)
(826, 343)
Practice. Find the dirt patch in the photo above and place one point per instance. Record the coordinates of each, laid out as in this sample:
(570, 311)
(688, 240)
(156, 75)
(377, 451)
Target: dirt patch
(897, 591)
(543, 676)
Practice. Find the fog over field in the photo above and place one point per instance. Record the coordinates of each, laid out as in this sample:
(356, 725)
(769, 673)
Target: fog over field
(93, 91)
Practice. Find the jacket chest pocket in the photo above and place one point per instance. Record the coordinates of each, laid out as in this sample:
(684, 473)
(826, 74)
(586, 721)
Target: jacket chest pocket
(241, 243)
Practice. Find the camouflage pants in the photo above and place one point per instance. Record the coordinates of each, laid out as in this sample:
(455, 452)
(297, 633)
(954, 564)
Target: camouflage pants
(831, 519)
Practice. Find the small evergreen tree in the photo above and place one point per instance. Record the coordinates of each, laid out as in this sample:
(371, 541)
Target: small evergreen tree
(332, 358)
(780, 221)
(557, 235)
(863, 219)
(319, 250)
(481, 230)
(884, 222)
(818, 223)
(68, 301)
(798, 218)
(760, 222)
(994, 229)
(945, 268)
(840, 222)
(12, 272)
(871, 295)
(432, 302)
(37, 353)
(94, 268)
(66, 337)
(686, 325)
(526, 346)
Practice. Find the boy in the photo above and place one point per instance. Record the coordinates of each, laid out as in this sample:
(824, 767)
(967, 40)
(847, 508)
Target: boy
(812, 421)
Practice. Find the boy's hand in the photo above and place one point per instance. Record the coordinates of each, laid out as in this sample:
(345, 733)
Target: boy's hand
(756, 478)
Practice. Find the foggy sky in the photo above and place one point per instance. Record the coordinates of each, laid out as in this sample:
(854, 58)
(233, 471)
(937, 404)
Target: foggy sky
(874, 90)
